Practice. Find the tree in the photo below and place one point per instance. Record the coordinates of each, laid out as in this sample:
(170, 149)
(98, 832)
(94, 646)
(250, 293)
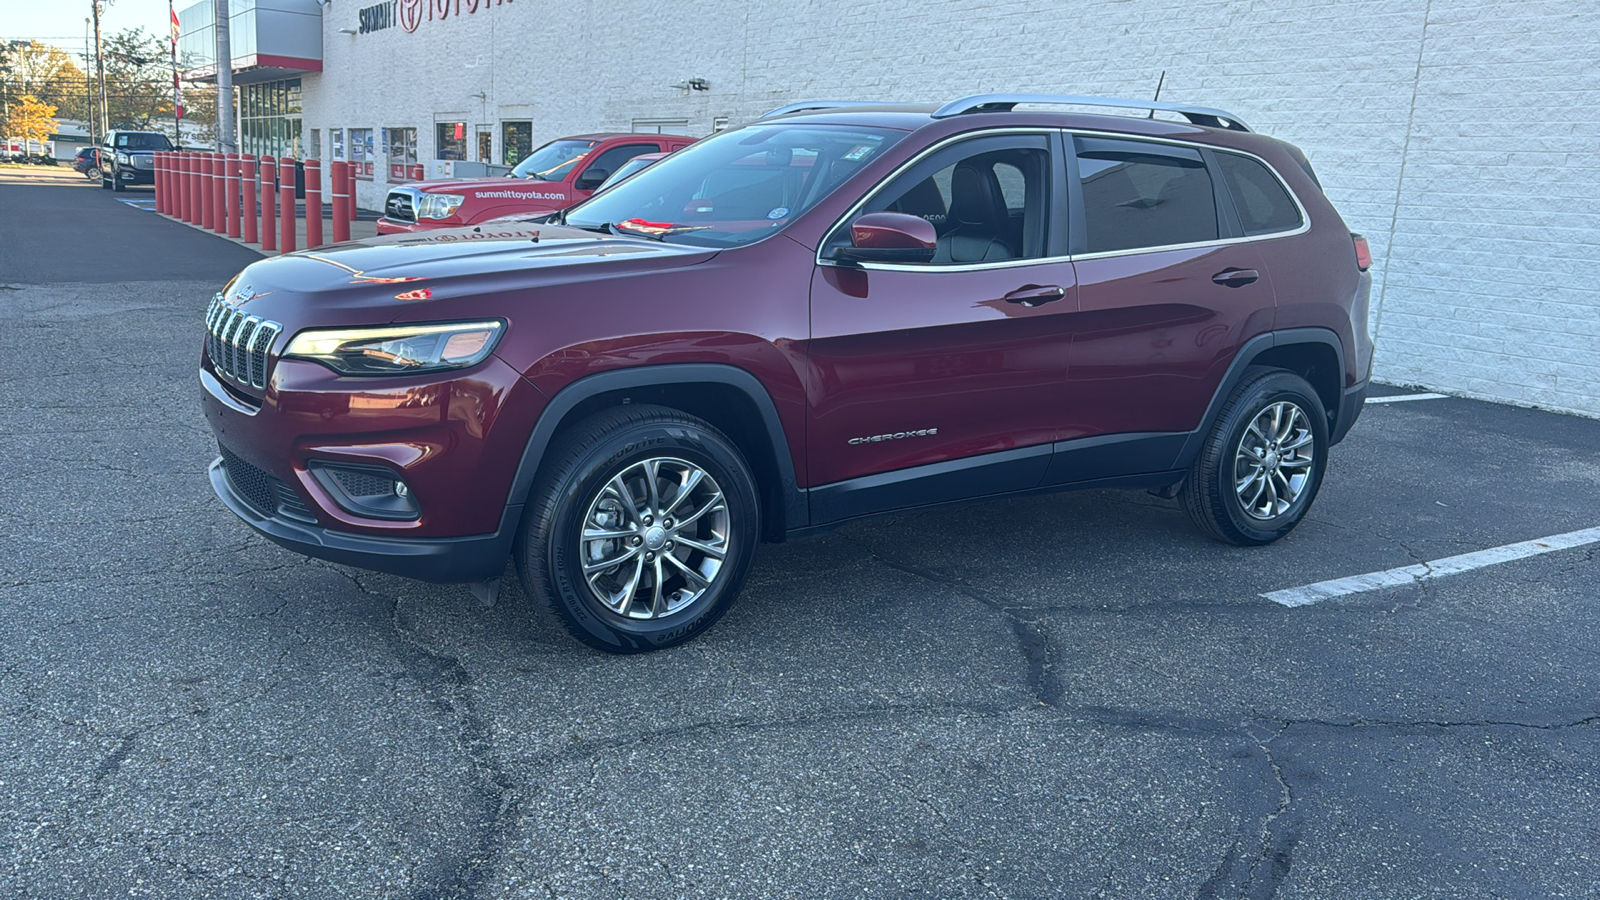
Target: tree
(30, 120)
(138, 79)
(47, 73)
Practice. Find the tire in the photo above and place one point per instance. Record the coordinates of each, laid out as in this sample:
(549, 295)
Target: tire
(656, 603)
(1242, 487)
(105, 183)
(92, 173)
(116, 184)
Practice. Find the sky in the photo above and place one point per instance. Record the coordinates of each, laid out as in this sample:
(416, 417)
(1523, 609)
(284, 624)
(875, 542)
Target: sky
(60, 22)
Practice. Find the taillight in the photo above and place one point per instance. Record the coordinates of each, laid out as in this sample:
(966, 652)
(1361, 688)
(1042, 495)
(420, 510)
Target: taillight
(1363, 252)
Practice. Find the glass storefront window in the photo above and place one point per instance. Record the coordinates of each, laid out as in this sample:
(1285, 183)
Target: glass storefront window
(269, 118)
(336, 142)
(450, 140)
(517, 140)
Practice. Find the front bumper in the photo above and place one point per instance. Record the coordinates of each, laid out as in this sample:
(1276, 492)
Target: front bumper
(130, 175)
(455, 440)
(387, 225)
(442, 560)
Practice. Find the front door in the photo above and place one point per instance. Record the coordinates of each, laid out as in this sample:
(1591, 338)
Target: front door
(935, 381)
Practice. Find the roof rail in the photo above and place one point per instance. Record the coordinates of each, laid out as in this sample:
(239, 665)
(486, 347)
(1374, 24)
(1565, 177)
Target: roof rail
(1199, 115)
(808, 105)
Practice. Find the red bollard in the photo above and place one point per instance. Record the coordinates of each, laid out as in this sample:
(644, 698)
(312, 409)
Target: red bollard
(286, 226)
(269, 200)
(219, 193)
(155, 168)
(191, 184)
(231, 164)
(208, 214)
(352, 193)
(247, 185)
(339, 185)
(313, 203)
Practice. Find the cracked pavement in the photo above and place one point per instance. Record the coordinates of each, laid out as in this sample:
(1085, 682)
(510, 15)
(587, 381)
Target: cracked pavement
(1065, 696)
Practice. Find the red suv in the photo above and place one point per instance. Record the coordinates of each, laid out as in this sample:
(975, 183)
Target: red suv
(833, 312)
(558, 175)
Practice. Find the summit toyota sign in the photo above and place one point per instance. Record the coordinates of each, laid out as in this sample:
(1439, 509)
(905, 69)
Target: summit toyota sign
(414, 12)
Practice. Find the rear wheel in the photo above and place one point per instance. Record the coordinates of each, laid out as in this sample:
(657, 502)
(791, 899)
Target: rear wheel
(1261, 466)
(641, 529)
(92, 173)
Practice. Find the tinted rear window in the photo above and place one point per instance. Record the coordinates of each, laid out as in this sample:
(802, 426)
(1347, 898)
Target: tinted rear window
(1264, 206)
(1135, 198)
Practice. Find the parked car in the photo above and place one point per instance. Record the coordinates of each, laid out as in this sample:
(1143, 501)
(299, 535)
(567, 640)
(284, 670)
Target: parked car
(87, 163)
(833, 312)
(128, 157)
(553, 177)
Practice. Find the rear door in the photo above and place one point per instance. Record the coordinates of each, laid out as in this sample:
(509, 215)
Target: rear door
(1168, 290)
(932, 382)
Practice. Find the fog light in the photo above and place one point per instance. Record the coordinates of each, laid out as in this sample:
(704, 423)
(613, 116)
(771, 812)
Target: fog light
(369, 491)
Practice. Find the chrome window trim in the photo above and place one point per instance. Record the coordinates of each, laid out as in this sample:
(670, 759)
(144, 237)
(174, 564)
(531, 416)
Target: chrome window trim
(1305, 215)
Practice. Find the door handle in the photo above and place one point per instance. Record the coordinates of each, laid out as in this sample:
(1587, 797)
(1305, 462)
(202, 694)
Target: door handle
(1036, 295)
(1236, 277)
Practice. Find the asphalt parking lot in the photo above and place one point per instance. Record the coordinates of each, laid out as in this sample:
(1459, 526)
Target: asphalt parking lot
(1065, 696)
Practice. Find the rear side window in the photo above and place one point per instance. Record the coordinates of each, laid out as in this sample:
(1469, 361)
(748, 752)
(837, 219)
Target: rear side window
(1264, 206)
(1139, 195)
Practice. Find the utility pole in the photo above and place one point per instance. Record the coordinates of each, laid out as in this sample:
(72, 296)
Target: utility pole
(88, 86)
(224, 79)
(100, 72)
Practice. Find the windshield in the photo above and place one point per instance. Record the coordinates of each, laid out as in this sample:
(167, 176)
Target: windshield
(554, 160)
(735, 187)
(143, 142)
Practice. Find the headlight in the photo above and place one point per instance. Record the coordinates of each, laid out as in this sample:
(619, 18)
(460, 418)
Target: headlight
(399, 350)
(439, 206)
(124, 159)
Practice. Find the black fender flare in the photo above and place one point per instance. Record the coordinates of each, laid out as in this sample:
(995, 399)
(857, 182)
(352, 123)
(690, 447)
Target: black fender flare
(1252, 348)
(795, 508)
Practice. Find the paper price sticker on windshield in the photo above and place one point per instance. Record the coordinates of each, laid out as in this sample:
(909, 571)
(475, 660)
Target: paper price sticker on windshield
(858, 153)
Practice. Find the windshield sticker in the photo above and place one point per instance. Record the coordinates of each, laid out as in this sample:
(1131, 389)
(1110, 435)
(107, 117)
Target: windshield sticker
(778, 213)
(858, 153)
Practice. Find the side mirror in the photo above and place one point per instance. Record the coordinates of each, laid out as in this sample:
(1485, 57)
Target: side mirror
(591, 179)
(889, 237)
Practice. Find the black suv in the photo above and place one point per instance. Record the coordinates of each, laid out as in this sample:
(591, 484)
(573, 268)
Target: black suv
(128, 157)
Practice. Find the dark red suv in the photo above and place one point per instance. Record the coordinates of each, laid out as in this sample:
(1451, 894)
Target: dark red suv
(837, 311)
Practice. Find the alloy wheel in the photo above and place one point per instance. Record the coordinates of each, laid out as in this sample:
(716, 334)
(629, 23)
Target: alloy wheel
(654, 538)
(1274, 461)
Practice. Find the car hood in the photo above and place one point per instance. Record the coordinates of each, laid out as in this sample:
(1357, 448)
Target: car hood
(486, 184)
(421, 275)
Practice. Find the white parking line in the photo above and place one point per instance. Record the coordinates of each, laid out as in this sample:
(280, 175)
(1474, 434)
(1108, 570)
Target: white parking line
(1450, 565)
(1401, 398)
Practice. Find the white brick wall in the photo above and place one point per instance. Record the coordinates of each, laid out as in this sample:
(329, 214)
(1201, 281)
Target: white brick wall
(1461, 136)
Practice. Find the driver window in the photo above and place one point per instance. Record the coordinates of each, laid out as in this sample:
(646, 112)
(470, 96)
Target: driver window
(986, 204)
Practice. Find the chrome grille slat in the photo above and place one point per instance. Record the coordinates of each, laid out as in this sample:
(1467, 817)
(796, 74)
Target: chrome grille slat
(239, 344)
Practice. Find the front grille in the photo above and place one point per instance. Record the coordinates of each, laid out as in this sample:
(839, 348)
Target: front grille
(267, 495)
(238, 343)
(398, 207)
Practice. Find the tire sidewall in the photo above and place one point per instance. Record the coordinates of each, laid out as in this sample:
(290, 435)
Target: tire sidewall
(610, 456)
(1281, 386)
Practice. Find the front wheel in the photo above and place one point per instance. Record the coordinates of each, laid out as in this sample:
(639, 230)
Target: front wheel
(641, 529)
(116, 184)
(1262, 463)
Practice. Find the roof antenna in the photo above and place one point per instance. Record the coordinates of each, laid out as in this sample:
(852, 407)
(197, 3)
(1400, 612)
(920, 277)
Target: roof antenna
(1157, 97)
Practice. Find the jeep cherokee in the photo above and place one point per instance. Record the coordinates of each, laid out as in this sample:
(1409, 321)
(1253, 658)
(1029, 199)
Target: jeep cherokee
(836, 311)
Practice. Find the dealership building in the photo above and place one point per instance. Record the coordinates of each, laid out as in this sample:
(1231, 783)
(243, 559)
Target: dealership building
(1461, 136)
